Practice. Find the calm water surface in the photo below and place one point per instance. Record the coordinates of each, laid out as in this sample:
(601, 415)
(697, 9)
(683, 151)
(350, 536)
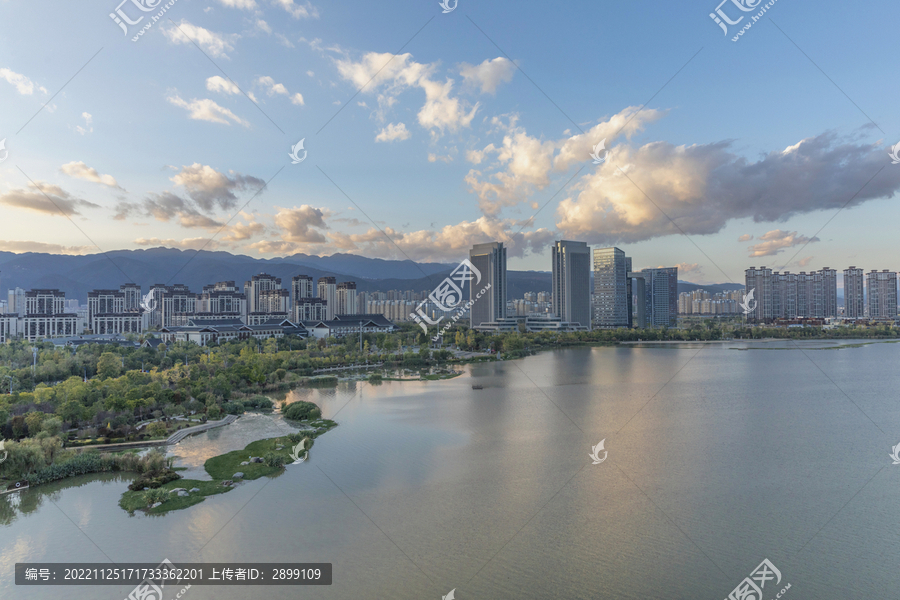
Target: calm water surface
(720, 455)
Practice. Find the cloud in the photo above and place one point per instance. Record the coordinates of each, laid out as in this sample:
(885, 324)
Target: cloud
(703, 187)
(271, 87)
(220, 84)
(805, 261)
(685, 268)
(214, 44)
(297, 99)
(22, 84)
(242, 4)
(45, 198)
(184, 244)
(19, 247)
(300, 224)
(210, 188)
(263, 26)
(524, 164)
(88, 119)
(304, 10)
(282, 39)
(241, 232)
(777, 240)
(79, 170)
(437, 157)
(393, 132)
(489, 74)
(207, 110)
(393, 74)
(745, 238)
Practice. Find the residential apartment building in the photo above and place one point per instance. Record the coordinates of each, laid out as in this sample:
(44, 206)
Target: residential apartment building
(881, 287)
(327, 290)
(854, 293)
(789, 295)
(345, 299)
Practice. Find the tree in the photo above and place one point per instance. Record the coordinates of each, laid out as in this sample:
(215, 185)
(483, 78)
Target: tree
(109, 365)
(33, 422)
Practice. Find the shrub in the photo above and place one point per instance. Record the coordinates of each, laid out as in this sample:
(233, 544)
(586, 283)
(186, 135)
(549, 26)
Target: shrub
(233, 408)
(214, 412)
(258, 402)
(151, 497)
(157, 429)
(375, 377)
(273, 459)
(302, 410)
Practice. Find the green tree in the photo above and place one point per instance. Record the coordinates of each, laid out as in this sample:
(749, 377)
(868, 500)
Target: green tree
(33, 422)
(109, 365)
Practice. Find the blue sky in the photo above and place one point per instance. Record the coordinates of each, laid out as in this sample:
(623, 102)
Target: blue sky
(451, 143)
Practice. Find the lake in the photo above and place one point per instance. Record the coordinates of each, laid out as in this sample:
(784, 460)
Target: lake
(719, 456)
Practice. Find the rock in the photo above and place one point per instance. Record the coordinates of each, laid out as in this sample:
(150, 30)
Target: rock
(177, 490)
(155, 504)
(238, 475)
(245, 463)
(195, 490)
(183, 494)
(229, 482)
(279, 447)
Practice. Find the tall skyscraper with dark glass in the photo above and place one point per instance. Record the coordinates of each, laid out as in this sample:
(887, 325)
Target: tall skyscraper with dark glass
(661, 296)
(571, 300)
(490, 260)
(611, 289)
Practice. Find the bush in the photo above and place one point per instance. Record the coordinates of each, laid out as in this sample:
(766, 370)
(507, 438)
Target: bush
(301, 410)
(153, 480)
(273, 459)
(157, 429)
(233, 408)
(375, 377)
(257, 402)
(213, 412)
(151, 497)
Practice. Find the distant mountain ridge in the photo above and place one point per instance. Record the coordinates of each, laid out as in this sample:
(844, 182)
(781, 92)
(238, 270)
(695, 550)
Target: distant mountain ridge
(77, 275)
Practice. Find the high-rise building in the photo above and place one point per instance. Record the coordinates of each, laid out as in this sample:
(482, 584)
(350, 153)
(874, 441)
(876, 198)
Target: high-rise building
(761, 283)
(301, 287)
(345, 299)
(881, 287)
(327, 290)
(310, 309)
(790, 295)
(611, 289)
(661, 293)
(224, 299)
(854, 296)
(829, 292)
(45, 316)
(258, 284)
(490, 260)
(571, 299)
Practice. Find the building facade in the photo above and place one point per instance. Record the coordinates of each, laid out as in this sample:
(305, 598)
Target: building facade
(854, 293)
(490, 260)
(571, 283)
(611, 290)
(882, 291)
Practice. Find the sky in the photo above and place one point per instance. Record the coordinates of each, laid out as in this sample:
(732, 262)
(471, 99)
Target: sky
(424, 131)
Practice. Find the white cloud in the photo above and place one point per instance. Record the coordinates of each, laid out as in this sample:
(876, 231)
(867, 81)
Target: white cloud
(19, 247)
(392, 133)
(297, 99)
(489, 74)
(310, 73)
(22, 84)
(242, 4)
(282, 39)
(207, 110)
(263, 26)
(438, 157)
(215, 44)
(79, 170)
(45, 198)
(304, 10)
(88, 119)
(210, 188)
(220, 84)
(777, 240)
(745, 238)
(271, 87)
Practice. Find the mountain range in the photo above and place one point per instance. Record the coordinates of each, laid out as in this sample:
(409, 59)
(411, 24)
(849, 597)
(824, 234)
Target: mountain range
(77, 275)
